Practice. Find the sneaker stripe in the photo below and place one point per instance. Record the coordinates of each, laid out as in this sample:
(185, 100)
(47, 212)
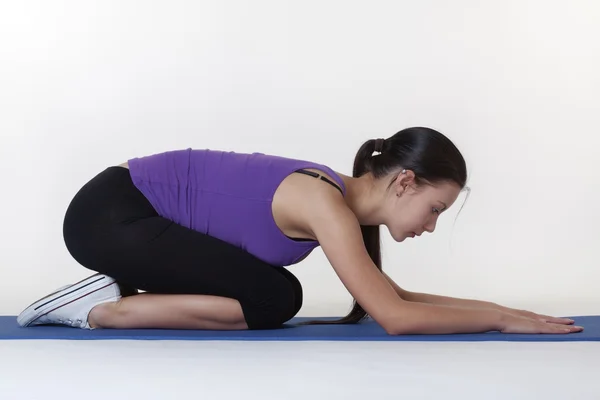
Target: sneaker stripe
(70, 292)
(75, 299)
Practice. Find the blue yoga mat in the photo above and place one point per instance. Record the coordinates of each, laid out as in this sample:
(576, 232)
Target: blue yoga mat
(365, 331)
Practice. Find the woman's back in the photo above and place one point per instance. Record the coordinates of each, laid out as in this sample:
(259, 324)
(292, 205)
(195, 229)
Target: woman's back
(226, 195)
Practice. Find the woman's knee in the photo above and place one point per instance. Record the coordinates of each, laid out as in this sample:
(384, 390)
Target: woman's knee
(272, 309)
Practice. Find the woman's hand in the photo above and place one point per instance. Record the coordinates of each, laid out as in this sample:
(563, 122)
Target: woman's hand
(513, 323)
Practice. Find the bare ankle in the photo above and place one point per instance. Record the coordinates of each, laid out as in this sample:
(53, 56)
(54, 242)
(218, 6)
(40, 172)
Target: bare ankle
(101, 315)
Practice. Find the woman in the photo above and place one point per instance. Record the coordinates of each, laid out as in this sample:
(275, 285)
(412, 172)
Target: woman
(207, 234)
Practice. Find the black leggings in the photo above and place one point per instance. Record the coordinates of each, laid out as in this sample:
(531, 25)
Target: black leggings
(111, 228)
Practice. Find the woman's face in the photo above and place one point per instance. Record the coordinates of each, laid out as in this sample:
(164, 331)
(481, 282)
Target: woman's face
(414, 209)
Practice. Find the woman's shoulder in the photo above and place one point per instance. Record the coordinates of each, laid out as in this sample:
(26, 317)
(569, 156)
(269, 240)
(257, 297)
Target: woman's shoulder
(300, 199)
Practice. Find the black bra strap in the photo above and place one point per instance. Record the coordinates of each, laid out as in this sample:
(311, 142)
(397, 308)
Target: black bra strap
(315, 175)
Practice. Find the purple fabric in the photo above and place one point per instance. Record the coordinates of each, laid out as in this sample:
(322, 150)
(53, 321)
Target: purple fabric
(226, 195)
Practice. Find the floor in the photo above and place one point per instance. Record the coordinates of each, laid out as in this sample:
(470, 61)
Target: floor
(34, 370)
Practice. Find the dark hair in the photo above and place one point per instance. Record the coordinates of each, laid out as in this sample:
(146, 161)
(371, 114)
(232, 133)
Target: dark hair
(429, 154)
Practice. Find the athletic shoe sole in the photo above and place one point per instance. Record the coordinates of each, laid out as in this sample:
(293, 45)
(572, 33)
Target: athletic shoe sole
(62, 297)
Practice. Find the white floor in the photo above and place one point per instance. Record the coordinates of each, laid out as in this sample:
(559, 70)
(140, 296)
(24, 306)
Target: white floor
(36, 370)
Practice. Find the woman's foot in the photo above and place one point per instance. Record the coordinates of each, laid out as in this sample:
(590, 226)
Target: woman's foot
(71, 305)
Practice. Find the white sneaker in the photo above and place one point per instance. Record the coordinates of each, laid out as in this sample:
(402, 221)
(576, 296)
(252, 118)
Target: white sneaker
(71, 304)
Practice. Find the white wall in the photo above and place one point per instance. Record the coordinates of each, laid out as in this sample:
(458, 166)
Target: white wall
(85, 85)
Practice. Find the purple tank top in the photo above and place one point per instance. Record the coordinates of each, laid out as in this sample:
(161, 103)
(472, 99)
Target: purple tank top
(226, 195)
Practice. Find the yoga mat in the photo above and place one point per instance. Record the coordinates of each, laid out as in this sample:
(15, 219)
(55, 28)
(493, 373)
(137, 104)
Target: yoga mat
(365, 331)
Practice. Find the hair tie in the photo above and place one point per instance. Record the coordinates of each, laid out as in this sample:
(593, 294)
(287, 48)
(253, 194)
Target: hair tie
(379, 145)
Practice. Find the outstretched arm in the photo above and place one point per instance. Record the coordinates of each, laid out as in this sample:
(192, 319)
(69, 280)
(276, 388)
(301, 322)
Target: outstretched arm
(469, 303)
(325, 215)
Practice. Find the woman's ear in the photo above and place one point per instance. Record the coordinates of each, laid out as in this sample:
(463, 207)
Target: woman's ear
(404, 182)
